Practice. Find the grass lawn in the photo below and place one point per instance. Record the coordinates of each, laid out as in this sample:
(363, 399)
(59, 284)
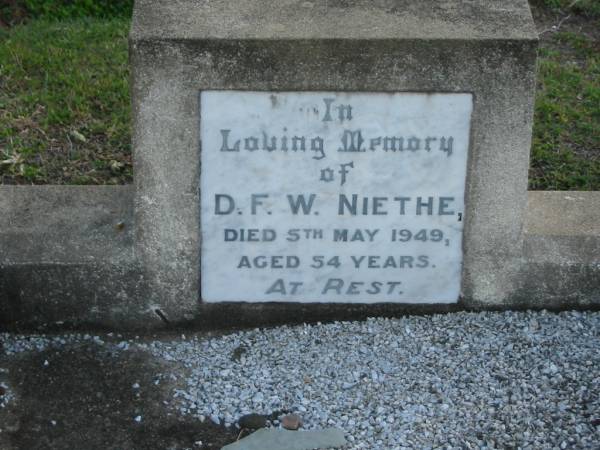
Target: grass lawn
(65, 115)
(64, 103)
(565, 154)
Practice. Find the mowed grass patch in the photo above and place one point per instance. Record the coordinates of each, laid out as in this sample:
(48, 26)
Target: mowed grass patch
(65, 114)
(566, 133)
(64, 103)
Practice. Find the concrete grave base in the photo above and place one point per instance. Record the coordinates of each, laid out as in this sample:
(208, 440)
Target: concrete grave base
(68, 260)
(130, 257)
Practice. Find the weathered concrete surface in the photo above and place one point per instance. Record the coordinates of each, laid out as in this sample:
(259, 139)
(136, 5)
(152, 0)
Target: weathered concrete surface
(561, 250)
(66, 255)
(98, 295)
(563, 213)
(487, 48)
(65, 224)
(299, 19)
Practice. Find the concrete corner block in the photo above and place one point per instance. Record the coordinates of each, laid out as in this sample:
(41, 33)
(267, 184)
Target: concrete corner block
(561, 251)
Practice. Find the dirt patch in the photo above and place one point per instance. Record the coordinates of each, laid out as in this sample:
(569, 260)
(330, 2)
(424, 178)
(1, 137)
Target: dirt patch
(91, 397)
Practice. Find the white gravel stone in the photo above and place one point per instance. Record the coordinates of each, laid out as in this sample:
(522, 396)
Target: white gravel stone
(454, 381)
(464, 380)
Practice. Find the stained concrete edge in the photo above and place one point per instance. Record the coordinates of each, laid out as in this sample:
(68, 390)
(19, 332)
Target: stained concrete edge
(65, 224)
(105, 287)
(337, 19)
(563, 213)
(562, 229)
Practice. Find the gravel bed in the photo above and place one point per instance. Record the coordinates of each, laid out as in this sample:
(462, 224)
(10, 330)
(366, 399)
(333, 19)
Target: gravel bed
(526, 380)
(466, 380)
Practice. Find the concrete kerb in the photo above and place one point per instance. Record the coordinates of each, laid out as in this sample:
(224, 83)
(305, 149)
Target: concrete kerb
(129, 257)
(90, 286)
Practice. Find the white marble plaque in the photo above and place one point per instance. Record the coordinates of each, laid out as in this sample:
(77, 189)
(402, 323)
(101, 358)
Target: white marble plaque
(332, 196)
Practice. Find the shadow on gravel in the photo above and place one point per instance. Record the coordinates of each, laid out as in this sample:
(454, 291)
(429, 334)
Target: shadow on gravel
(84, 398)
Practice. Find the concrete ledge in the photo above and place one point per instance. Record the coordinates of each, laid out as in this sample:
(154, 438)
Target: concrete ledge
(561, 250)
(293, 19)
(96, 295)
(563, 213)
(563, 228)
(65, 224)
(64, 261)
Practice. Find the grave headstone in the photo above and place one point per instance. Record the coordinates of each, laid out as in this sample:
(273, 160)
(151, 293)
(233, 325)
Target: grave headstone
(340, 151)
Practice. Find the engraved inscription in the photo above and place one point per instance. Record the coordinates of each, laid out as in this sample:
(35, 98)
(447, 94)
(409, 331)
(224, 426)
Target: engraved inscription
(332, 196)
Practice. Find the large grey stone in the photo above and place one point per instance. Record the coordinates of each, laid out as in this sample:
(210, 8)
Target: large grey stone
(561, 251)
(276, 439)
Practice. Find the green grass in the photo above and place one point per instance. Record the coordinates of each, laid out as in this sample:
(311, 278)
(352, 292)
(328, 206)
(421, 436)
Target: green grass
(13, 12)
(64, 102)
(566, 132)
(65, 116)
(590, 8)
